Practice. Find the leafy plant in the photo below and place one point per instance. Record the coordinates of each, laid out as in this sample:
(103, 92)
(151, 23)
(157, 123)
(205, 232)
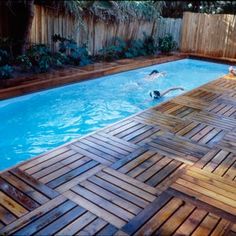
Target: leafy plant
(7, 44)
(59, 59)
(139, 47)
(149, 44)
(24, 62)
(167, 44)
(6, 72)
(135, 49)
(4, 57)
(40, 57)
(64, 43)
(115, 51)
(77, 55)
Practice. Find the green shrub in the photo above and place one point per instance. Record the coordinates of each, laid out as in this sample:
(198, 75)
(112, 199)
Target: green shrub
(76, 55)
(135, 49)
(40, 57)
(24, 62)
(37, 58)
(6, 72)
(114, 52)
(59, 59)
(149, 45)
(7, 44)
(4, 57)
(167, 44)
(79, 55)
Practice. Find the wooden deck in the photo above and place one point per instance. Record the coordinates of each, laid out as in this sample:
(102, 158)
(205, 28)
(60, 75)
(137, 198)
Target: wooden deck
(170, 170)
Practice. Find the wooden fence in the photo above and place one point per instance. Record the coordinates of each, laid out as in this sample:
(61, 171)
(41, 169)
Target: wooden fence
(97, 33)
(211, 35)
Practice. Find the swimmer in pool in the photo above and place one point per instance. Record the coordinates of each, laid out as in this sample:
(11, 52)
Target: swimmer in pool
(154, 75)
(157, 94)
(232, 70)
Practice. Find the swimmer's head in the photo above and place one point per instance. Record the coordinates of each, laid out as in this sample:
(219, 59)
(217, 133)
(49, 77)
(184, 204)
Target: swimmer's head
(155, 94)
(154, 72)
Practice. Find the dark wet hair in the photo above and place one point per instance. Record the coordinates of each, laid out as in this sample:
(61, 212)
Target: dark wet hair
(154, 72)
(155, 94)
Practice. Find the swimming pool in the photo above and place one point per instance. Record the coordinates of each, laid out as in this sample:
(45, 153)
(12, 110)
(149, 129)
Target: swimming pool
(35, 123)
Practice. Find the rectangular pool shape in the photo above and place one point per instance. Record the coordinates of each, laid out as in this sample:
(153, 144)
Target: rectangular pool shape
(35, 123)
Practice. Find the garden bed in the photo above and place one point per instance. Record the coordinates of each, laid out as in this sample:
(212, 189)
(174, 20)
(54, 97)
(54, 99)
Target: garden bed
(23, 85)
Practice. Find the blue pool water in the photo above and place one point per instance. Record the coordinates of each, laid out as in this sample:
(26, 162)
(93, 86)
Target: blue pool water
(35, 123)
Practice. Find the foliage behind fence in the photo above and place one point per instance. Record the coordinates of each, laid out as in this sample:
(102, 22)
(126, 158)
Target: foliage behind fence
(97, 33)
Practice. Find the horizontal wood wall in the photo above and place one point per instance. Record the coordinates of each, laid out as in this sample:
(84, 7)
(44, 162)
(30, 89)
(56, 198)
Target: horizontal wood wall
(97, 33)
(210, 35)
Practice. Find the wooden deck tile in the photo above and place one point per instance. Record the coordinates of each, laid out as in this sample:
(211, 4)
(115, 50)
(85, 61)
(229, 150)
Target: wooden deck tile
(225, 123)
(178, 148)
(207, 96)
(132, 131)
(223, 107)
(175, 109)
(225, 83)
(220, 162)
(196, 103)
(170, 215)
(62, 217)
(229, 142)
(100, 150)
(202, 133)
(162, 120)
(206, 189)
(113, 196)
(52, 156)
(151, 168)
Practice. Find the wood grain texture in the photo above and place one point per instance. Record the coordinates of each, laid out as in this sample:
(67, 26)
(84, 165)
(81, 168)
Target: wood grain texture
(199, 34)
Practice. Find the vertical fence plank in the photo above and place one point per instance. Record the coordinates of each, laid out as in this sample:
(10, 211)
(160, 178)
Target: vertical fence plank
(212, 35)
(97, 34)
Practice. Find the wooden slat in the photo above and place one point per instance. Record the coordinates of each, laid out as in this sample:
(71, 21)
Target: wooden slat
(34, 183)
(93, 228)
(11, 205)
(17, 195)
(24, 187)
(160, 217)
(208, 188)
(48, 218)
(192, 222)
(174, 147)
(72, 174)
(146, 214)
(116, 221)
(33, 215)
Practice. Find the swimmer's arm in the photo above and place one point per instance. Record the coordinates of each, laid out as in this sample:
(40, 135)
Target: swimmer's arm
(163, 73)
(169, 90)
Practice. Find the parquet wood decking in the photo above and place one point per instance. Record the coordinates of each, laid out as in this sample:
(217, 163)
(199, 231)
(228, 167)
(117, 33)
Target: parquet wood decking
(169, 170)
